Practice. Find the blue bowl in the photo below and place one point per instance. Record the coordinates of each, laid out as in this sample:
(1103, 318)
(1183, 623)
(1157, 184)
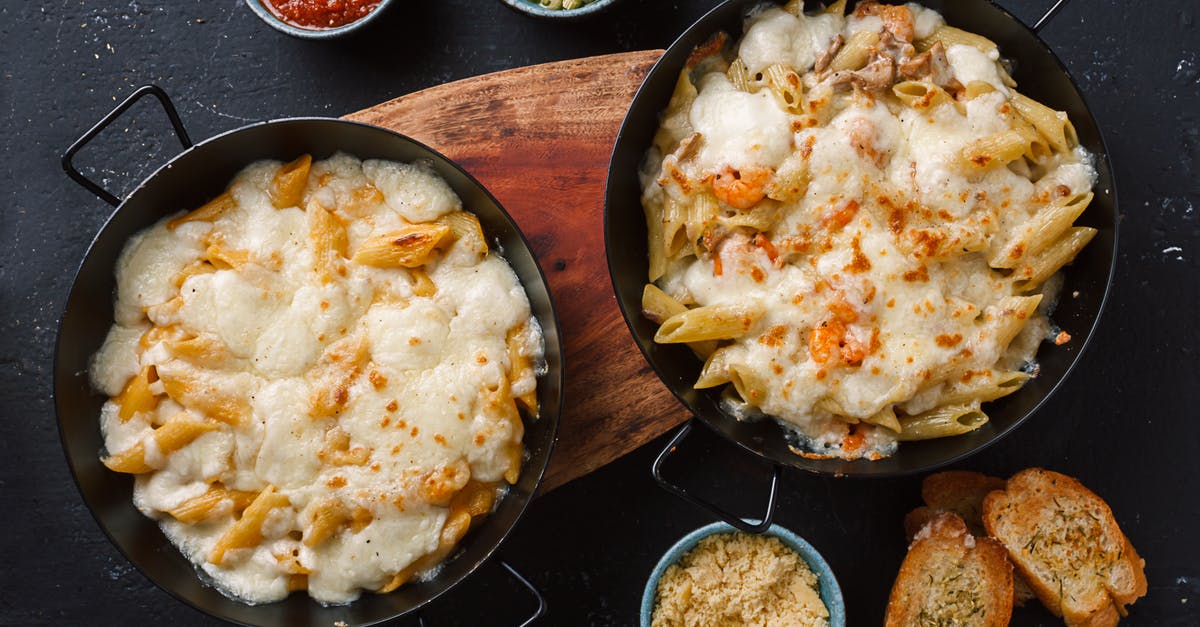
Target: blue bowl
(532, 7)
(831, 592)
(313, 33)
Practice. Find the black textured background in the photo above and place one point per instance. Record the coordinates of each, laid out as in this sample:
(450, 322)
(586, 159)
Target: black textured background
(1126, 422)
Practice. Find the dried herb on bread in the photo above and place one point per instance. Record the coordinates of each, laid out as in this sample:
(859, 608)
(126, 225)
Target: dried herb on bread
(950, 577)
(1066, 543)
(961, 492)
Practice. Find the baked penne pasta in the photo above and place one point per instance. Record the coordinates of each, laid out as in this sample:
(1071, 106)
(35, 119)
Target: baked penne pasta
(217, 501)
(247, 531)
(207, 212)
(855, 52)
(287, 187)
(716, 322)
(888, 215)
(1044, 228)
(296, 372)
(1053, 125)
(1054, 257)
(951, 36)
(943, 422)
(175, 434)
(409, 247)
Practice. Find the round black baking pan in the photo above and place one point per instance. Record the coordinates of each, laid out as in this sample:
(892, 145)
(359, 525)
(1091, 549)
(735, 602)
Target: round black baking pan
(199, 173)
(1039, 74)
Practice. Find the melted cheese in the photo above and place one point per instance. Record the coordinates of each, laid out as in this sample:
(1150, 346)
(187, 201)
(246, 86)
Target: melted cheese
(741, 130)
(881, 257)
(352, 388)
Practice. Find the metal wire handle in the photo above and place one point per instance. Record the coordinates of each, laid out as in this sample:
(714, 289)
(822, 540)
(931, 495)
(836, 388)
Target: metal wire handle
(537, 595)
(1049, 15)
(745, 524)
(138, 94)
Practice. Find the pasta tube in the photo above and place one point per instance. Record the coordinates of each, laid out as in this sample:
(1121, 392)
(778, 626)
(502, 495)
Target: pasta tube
(714, 322)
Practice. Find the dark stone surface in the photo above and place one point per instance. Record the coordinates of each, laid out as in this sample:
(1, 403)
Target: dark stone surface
(1126, 422)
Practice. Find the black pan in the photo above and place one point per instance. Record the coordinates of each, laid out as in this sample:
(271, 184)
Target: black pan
(197, 174)
(1040, 75)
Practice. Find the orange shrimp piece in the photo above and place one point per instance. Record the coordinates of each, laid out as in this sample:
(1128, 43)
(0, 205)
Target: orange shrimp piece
(765, 244)
(842, 311)
(743, 188)
(841, 217)
(853, 351)
(899, 20)
(825, 341)
(896, 19)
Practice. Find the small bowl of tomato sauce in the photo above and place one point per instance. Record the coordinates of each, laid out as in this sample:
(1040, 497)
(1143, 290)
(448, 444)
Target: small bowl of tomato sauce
(317, 19)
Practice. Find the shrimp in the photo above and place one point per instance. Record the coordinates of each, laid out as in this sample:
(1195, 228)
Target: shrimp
(825, 341)
(742, 188)
(862, 138)
(896, 19)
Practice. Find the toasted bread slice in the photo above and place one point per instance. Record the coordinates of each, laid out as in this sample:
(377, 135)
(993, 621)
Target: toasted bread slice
(961, 492)
(1065, 542)
(950, 577)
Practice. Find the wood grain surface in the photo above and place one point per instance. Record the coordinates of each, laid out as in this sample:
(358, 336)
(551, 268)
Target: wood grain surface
(539, 138)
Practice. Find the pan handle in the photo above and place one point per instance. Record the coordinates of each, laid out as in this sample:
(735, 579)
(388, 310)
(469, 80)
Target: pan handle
(138, 94)
(745, 524)
(537, 595)
(1049, 15)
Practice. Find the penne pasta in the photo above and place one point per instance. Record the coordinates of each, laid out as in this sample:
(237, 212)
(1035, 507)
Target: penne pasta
(520, 367)
(984, 388)
(1054, 257)
(674, 224)
(657, 306)
(855, 52)
(217, 501)
(422, 285)
(656, 250)
(1043, 229)
(748, 385)
(190, 391)
(716, 370)
(942, 422)
(328, 517)
(136, 396)
(739, 75)
(921, 95)
(466, 231)
(886, 418)
(175, 434)
(410, 247)
(1053, 125)
(950, 36)
(714, 322)
(222, 258)
(785, 85)
(247, 531)
(208, 212)
(676, 124)
(329, 241)
(287, 187)
(992, 151)
(1009, 316)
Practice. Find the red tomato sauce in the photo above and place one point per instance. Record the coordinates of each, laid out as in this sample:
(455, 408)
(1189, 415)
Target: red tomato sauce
(320, 13)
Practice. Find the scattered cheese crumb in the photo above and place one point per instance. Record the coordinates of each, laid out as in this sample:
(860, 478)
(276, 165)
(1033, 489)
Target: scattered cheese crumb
(739, 579)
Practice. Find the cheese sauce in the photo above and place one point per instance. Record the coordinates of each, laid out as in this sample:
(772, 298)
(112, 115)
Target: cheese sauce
(873, 276)
(361, 389)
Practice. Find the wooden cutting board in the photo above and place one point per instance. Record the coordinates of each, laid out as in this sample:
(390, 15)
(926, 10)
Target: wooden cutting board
(539, 138)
